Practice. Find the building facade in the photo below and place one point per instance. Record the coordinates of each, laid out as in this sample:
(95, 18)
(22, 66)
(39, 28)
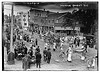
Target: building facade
(50, 21)
(40, 18)
(23, 19)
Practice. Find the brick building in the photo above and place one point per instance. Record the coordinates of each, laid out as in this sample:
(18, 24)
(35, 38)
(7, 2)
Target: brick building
(50, 21)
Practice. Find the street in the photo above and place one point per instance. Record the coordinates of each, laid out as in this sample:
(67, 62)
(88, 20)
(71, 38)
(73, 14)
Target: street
(56, 63)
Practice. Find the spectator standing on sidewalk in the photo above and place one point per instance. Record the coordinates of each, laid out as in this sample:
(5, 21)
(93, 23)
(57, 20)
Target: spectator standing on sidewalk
(45, 54)
(48, 56)
(30, 52)
(25, 62)
(38, 59)
(38, 49)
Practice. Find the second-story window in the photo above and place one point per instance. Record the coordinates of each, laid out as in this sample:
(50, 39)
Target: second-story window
(49, 21)
(25, 23)
(24, 19)
(52, 21)
(24, 15)
(57, 21)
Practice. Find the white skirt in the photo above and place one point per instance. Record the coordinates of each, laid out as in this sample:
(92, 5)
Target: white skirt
(69, 57)
(82, 58)
(93, 64)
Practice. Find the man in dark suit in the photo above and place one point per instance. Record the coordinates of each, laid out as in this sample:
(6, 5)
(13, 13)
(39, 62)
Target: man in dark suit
(48, 56)
(38, 59)
(36, 42)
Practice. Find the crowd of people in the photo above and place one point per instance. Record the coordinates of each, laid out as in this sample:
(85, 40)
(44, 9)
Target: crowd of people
(76, 45)
(33, 54)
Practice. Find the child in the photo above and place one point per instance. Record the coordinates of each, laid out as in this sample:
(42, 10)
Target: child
(62, 53)
(91, 63)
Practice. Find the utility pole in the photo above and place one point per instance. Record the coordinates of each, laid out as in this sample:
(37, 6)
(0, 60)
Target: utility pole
(11, 55)
(11, 36)
(2, 35)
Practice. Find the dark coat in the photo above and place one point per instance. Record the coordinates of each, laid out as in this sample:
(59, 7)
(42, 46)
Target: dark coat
(45, 52)
(25, 50)
(25, 62)
(36, 42)
(49, 54)
(30, 52)
(38, 57)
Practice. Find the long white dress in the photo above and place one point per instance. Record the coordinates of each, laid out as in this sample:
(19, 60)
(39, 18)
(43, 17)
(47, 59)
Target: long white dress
(34, 49)
(93, 63)
(69, 54)
(54, 46)
(46, 45)
(82, 58)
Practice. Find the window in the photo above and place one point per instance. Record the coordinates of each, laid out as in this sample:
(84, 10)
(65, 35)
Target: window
(38, 14)
(53, 21)
(49, 21)
(19, 19)
(25, 23)
(24, 15)
(42, 21)
(24, 19)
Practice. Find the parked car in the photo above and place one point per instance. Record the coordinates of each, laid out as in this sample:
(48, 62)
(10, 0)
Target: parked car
(90, 40)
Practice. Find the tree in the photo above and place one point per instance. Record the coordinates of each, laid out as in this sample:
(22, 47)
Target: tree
(69, 21)
(87, 18)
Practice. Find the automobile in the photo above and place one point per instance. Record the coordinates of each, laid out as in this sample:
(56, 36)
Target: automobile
(90, 40)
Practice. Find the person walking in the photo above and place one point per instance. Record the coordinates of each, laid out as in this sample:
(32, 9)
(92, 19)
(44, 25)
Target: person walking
(30, 52)
(54, 46)
(36, 42)
(38, 59)
(48, 56)
(45, 54)
(69, 58)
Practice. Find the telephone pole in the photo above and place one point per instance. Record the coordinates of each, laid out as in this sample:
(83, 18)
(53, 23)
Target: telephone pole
(10, 57)
(11, 36)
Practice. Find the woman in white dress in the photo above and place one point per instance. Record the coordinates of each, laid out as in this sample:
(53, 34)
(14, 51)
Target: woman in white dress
(46, 45)
(54, 46)
(69, 56)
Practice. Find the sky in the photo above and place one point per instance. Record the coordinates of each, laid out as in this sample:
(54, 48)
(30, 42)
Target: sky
(49, 6)
(7, 9)
(52, 8)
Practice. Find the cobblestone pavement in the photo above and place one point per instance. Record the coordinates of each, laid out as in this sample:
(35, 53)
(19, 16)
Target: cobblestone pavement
(76, 64)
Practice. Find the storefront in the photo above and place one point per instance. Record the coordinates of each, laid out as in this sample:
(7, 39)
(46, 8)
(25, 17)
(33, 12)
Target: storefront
(45, 28)
(67, 30)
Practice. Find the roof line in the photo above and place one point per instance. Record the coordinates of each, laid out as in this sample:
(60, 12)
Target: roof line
(61, 16)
